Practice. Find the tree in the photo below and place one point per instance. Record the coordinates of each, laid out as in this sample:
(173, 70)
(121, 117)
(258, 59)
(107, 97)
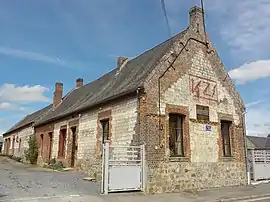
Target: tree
(31, 153)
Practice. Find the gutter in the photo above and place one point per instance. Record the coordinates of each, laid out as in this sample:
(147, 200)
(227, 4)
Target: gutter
(130, 92)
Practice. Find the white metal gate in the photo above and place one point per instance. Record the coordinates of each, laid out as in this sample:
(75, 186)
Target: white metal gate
(260, 164)
(122, 168)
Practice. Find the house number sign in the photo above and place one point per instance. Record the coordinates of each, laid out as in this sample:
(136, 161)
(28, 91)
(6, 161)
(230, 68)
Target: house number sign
(208, 128)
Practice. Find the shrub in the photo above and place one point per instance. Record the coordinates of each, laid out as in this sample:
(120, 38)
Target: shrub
(31, 153)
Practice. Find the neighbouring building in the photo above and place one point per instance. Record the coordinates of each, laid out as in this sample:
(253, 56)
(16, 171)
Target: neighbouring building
(16, 138)
(257, 142)
(1, 143)
(176, 98)
(258, 153)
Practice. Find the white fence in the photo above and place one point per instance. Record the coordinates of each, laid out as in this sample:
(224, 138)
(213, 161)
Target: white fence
(123, 168)
(259, 164)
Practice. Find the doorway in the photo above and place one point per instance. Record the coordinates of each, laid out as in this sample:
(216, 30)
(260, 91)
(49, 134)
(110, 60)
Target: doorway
(50, 144)
(73, 145)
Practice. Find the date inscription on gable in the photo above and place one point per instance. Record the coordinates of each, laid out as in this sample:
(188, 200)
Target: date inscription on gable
(203, 88)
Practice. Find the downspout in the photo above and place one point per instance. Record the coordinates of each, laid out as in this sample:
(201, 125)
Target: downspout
(138, 128)
(245, 147)
(171, 66)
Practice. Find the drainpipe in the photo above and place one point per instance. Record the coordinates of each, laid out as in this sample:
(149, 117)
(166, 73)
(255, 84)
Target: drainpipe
(138, 115)
(245, 147)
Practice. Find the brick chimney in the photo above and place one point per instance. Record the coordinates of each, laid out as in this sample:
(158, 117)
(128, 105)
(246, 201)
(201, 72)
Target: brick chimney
(79, 82)
(121, 61)
(196, 19)
(58, 94)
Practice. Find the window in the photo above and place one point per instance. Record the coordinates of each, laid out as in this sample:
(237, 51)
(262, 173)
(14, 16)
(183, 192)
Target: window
(105, 130)
(176, 127)
(202, 112)
(225, 133)
(62, 143)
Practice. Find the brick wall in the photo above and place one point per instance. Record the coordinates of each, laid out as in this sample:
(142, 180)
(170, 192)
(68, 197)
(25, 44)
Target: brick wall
(203, 165)
(44, 151)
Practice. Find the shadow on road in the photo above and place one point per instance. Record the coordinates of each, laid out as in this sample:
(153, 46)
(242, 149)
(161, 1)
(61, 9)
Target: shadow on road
(2, 196)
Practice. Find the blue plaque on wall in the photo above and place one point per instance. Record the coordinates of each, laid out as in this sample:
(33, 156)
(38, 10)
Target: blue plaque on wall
(208, 128)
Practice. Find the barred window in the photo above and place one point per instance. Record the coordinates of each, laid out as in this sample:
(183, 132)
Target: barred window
(176, 127)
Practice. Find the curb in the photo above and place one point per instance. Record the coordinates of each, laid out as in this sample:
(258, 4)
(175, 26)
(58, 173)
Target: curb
(244, 198)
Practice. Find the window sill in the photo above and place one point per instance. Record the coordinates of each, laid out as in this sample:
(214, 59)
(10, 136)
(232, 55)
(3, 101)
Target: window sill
(179, 159)
(227, 158)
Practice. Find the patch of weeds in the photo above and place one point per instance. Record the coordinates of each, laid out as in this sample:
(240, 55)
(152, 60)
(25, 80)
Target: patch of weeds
(16, 158)
(54, 165)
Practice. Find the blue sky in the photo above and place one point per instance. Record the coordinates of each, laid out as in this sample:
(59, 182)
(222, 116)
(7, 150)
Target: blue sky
(42, 42)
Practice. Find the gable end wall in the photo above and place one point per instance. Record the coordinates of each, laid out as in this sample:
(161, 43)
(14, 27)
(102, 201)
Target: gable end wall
(203, 165)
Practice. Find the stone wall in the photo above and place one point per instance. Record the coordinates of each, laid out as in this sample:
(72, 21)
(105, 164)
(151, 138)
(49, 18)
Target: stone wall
(23, 136)
(123, 121)
(196, 77)
(122, 116)
(56, 132)
(19, 141)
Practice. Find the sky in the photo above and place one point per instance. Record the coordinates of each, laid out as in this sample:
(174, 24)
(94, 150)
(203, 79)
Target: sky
(43, 42)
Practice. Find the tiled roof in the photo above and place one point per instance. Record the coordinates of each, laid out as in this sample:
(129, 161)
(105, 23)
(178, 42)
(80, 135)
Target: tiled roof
(260, 142)
(111, 85)
(29, 119)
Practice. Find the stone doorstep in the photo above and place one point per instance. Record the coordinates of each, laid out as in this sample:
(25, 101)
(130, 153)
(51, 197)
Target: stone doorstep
(239, 199)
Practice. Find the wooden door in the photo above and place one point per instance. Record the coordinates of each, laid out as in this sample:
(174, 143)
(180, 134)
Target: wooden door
(73, 145)
(50, 135)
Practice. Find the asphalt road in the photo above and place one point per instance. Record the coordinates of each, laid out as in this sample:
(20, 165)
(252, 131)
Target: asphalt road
(18, 181)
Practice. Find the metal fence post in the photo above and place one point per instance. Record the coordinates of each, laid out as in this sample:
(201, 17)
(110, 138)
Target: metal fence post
(102, 169)
(144, 175)
(106, 167)
(254, 166)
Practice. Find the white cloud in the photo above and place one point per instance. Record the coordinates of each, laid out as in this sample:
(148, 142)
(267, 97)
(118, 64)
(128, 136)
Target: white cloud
(244, 25)
(28, 55)
(258, 121)
(254, 103)
(258, 118)
(31, 56)
(11, 107)
(5, 105)
(25, 94)
(251, 71)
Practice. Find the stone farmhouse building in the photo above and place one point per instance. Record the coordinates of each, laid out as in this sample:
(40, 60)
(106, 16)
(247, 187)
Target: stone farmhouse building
(176, 98)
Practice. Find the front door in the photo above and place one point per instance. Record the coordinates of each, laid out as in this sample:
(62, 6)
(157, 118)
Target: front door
(50, 144)
(74, 145)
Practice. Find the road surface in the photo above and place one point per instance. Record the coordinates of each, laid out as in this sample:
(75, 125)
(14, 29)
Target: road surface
(18, 181)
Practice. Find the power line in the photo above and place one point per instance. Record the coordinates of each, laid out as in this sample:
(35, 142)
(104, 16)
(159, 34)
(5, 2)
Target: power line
(166, 17)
